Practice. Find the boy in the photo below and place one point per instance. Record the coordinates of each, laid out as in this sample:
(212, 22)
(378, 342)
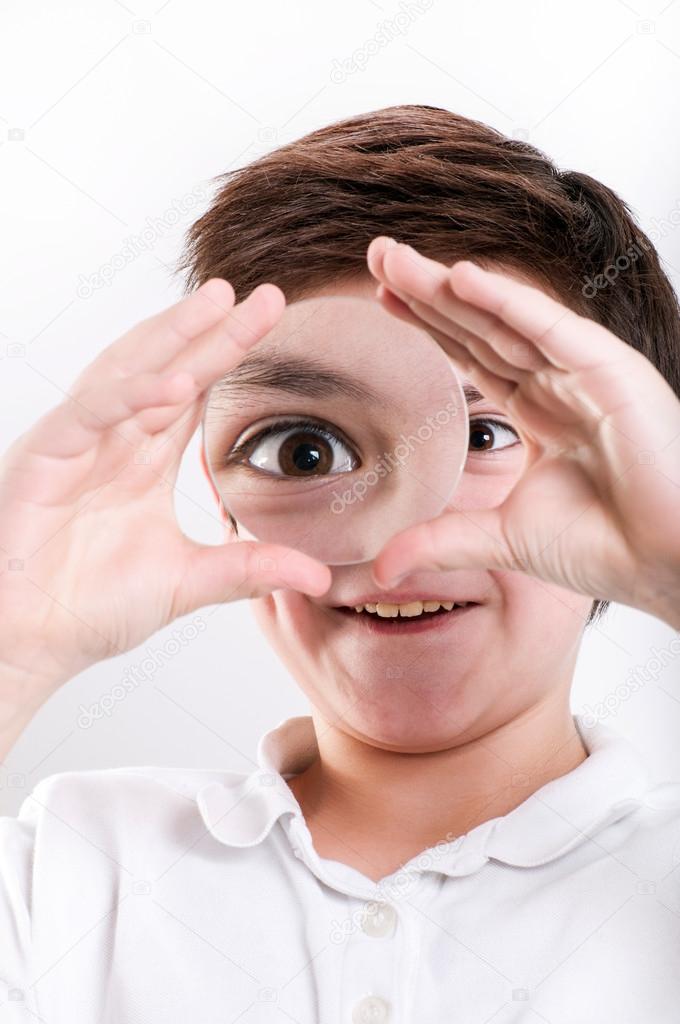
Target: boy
(441, 839)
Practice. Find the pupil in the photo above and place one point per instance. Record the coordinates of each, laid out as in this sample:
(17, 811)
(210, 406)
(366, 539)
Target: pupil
(306, 457)
(481, 437)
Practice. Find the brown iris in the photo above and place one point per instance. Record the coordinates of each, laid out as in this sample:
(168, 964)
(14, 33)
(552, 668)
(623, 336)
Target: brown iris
(305, 453)
(481, 438)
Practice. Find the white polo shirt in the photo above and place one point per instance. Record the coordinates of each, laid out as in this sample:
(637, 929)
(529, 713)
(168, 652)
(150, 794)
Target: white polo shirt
(145, 894)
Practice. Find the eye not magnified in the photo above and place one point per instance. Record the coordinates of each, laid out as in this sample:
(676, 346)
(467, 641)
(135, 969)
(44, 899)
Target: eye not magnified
(488, 435)
(302, 448)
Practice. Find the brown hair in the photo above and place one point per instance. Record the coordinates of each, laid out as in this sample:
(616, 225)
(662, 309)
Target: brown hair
(302, 216)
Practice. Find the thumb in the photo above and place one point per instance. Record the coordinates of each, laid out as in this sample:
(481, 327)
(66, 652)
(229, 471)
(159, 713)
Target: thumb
(240, 569)
(454, 540)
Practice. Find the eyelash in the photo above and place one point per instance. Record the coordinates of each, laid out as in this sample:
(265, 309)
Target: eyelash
(488, 421)
(245, 448)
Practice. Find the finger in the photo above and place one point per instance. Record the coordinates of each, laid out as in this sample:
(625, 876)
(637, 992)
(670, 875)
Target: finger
(210, 356)
(77, 423)
(375, 253)
(399, 307)
(454, 540)
(478, 351)
(247, 569)
(567, 340)
(428, 285)
(221, 347)
(152, 344)
(511, 384)
(495, 388)
(495, 377)
(165, 422)
(402, 284)
(424, 285)
(413, 273)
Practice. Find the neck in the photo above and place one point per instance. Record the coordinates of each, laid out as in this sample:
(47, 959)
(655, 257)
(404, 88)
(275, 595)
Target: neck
(356, 797)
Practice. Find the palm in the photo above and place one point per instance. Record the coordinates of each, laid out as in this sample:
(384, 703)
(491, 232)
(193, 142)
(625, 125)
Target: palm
(79, 532)
(592, 490)
(95, 559)
(595, 506)
(555, 526)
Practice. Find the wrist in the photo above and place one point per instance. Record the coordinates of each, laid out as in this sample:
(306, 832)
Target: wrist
(26, 685)
(21, 695)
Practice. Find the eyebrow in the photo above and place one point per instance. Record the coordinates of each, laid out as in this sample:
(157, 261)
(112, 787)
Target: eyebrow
(306, 376)
(472, 394)
(298, 375)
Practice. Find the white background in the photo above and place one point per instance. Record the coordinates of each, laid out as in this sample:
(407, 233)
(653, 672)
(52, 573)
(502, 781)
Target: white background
(110, 112)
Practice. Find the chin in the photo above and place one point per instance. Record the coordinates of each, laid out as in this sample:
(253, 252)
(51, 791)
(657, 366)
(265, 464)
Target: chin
(403, 725)
(416, 693)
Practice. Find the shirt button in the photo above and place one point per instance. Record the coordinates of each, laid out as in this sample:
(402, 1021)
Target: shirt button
(370, 1010)
(378, 919)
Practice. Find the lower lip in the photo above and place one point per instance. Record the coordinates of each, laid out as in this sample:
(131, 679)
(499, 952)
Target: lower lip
(405, 626)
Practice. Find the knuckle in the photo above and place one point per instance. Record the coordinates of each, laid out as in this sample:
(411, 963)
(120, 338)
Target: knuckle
(496, 336)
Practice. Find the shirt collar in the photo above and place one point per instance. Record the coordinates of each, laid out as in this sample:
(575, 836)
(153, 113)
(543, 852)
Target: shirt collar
(241, 810)
(611, 782)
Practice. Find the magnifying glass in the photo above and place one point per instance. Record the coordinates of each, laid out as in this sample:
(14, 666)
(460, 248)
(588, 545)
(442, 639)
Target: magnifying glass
(342, 426)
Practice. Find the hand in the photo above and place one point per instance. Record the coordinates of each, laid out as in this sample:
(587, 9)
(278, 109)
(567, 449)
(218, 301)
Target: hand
(597, 507)
(92, 560)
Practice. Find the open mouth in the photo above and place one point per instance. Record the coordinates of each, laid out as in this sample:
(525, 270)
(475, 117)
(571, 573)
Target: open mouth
(410, 617)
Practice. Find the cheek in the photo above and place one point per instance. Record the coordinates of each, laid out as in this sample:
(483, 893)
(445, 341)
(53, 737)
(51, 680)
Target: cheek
(542, 616)
(487, 485)
(286, 622)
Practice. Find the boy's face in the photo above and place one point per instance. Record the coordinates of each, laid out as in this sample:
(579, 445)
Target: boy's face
(426, 684)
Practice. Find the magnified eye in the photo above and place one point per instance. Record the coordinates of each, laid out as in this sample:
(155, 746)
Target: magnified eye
(302, 449)
(491, 435)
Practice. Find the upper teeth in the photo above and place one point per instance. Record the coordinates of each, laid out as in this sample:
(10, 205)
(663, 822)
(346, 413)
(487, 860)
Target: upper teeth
(390, 611)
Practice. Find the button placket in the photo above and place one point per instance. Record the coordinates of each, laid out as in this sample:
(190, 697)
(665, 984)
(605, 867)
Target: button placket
(370, 965)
